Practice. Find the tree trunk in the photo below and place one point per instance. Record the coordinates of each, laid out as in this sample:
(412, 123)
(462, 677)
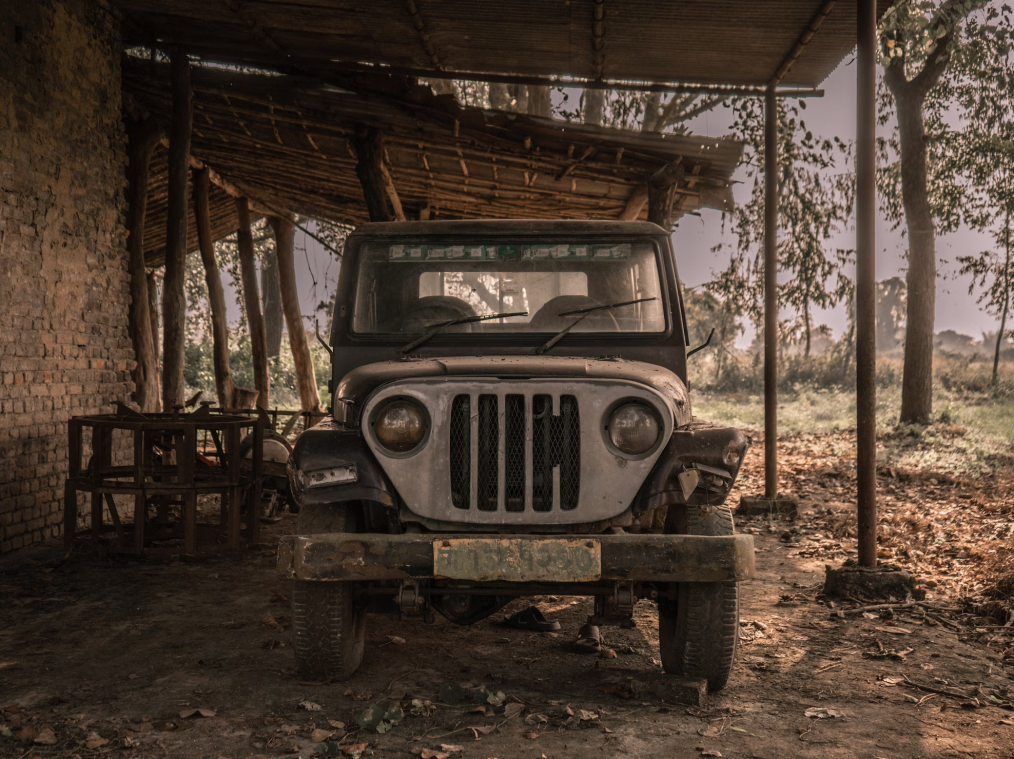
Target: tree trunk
(285, 233)
(519, 93)
(174, 301)
(1006, 303)
(651, 113)
(273, 317)
(806, 325)
(369, 148)
(216, 295)
(917, 382)
(499, 97)
(594, 106)
(153, 310)
(252, 301)
(662, 192)
(141, 141)
(540, 102)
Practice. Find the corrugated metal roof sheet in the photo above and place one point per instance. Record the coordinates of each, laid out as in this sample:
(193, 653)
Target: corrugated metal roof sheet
(726, 42)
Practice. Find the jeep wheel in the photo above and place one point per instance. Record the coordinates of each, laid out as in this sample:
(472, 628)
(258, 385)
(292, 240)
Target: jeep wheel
(698, 632)
(329, 631)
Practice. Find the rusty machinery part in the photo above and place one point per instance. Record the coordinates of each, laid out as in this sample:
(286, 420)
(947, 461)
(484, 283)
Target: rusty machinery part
(275, 489)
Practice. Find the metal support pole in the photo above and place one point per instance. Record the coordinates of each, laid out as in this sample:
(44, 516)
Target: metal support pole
(770, 294)
(866, 282)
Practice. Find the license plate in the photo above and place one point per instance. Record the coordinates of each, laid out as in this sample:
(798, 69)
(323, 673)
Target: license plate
(518, 559)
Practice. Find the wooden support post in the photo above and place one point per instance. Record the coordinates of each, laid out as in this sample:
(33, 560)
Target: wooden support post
(635, 203)
(252, 300)
(285, 232)
(154, 310)
(369, 148)
(216, 295)
(661, 193)
(271, 295)
(866, 282)
(770, 294)
(392, 193)
(174, 302)
(141, 141)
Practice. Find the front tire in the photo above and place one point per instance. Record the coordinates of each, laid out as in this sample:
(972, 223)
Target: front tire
(698, 632)
(329, 630)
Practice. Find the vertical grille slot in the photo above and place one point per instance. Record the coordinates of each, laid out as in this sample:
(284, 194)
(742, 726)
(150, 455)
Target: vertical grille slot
(489, 453)
(522, 453)
(570, 452)
(542, 468)
(461, 452)
(514, 471)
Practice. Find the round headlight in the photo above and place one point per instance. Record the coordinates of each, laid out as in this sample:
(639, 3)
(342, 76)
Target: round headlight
(633, 428)
(400, 426)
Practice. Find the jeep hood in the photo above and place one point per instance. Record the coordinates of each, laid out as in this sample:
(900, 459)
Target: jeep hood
(356, 386)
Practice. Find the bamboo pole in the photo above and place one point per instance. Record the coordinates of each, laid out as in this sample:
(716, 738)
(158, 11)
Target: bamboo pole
(369, 148)
(252, 300)
(216, 295)
(141, 141)
(271, 295)
(174, 302)
(285, 232)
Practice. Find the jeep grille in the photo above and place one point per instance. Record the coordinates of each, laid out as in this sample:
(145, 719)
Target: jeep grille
(534, 463)
(512, 451)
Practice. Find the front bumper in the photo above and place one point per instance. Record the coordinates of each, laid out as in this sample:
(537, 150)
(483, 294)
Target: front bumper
(516, 558)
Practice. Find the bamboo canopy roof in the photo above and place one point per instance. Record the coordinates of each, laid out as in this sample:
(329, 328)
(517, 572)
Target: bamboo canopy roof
(713, 42)
(283, 142)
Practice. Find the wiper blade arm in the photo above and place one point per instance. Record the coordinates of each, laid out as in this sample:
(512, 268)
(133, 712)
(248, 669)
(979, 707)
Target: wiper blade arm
(584, 312)
(463, 320)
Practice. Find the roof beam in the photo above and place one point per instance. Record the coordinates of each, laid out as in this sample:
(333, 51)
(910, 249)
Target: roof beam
(598, 33)
(801, 43)
(420, 27)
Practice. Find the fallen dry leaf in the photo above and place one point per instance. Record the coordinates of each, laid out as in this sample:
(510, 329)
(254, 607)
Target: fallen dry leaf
(430, 753)
(94, 741)
(821, 712)
(355, 749)
(187, 713)
(320, 735)
(452, 748)
(270, 621)
(535, 719)
(607, 653)
(586, 716)
(512, 710)
(46, 737)
(310, 706)
(481, 730)
(710, 752)
(531, 735)
(336, 724)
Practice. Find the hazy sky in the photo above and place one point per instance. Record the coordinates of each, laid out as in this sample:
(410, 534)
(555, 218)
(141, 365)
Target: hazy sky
(695, 236)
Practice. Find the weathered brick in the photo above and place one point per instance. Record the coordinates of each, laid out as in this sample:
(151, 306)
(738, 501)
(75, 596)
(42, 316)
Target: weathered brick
(63, 265)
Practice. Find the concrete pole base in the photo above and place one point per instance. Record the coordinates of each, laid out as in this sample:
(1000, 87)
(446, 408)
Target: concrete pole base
(755, 506)
(874, 583)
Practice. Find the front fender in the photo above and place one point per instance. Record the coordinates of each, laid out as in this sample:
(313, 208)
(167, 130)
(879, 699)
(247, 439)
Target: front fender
(329, 446)
(716, 453)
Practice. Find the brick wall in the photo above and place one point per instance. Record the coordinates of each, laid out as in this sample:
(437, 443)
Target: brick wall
(64, 348)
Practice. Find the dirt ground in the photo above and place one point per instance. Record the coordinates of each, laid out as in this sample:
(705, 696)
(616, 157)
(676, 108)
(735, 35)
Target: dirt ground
(102, 656)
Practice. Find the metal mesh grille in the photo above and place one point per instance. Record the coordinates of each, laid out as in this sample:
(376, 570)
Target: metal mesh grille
(489, 449)
(555, 452)
(569, 441)
(514, 469)
(542, 468)
(461, 452)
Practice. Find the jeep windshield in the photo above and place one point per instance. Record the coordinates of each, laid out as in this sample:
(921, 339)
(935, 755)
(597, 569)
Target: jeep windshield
(407, 288)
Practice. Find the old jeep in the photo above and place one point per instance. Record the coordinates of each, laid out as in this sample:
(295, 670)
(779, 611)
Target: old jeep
(511, 418)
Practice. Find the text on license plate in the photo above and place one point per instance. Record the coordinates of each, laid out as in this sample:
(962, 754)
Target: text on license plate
(518, 559)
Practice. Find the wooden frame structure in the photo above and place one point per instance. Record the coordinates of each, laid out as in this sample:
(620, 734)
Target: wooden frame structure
(168, 466)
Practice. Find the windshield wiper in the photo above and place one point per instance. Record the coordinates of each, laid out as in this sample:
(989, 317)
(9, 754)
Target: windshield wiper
(584, 312)
(435, 328)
